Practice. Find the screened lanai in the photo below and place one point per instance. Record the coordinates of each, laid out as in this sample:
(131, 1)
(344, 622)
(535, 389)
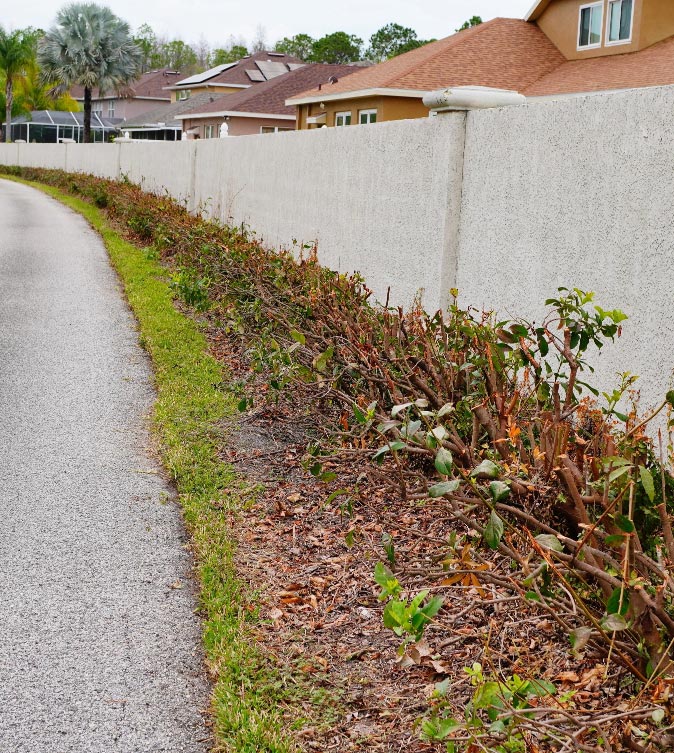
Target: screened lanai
(53, 126)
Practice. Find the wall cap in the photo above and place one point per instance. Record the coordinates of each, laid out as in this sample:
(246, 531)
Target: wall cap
(471, 98)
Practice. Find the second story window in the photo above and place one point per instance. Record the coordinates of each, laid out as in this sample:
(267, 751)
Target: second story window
(182, 94)
(619, 21)
(111, 108)
(590, 26)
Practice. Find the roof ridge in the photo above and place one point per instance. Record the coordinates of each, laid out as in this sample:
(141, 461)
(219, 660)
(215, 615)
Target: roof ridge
(467, 33)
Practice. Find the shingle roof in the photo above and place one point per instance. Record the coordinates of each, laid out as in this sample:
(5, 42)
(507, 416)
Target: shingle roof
(150, 84)
(653, 66)
(236, 74)
(167, 114)
(270, 97)
(504, 53)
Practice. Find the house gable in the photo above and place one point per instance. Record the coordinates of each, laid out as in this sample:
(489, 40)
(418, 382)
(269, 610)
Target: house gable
(583, 29)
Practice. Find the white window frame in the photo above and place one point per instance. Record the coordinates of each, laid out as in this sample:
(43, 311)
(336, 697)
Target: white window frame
(595, 46)
(608, 42)
(274, 129)
(111, 108)
(369, 114)
(344, 115)
(209, 132)
(183, 94)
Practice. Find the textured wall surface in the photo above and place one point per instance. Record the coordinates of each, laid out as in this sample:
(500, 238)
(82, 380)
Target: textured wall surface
(506, 205)
(381, 201)
(577, 192)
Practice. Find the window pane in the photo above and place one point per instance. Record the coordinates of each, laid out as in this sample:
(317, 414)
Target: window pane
(347, 120)
(363, 118)
(626, 19)
(614, 22)
(584, 38)
(595, 25)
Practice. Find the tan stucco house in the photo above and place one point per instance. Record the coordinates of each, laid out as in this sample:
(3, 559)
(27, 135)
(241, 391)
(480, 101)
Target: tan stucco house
(561, 47)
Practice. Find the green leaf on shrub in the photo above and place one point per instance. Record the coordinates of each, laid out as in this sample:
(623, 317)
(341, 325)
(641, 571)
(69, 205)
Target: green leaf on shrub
(532, 596)
(670, 398)
(615, 540)
(647, 482)
(493, 532)
(613, 605)
(390, 447)
(447, 408)
(617, 473)
(399, 409)
(499, 491)
(358, 413)
(550, 541)
(444, 487)
(487, 469)
(444, 461)
(298, 337)
(614, 623)
(320, 363)
(623, 522)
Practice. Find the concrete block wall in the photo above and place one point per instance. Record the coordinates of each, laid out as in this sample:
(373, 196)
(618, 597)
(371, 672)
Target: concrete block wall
(505, 204)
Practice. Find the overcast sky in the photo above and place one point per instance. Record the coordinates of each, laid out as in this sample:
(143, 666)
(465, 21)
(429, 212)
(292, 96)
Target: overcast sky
(216, 20)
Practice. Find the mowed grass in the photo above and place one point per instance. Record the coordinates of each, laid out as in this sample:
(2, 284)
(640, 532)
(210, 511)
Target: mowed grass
(248, 690)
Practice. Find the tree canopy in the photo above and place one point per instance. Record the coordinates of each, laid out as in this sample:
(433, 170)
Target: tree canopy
(392, 40)
(16, 52)
(338, 47)
(473, 21)
(92, 47)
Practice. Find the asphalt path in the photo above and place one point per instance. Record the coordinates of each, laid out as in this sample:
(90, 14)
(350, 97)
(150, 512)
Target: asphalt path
(99, 643)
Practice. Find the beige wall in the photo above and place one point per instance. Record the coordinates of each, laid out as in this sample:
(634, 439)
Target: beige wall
(653, 22)
(237, 126)
(657, 21)
(559, 21)
(388, 108)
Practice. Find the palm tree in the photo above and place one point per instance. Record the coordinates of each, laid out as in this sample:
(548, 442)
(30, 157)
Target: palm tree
(92, 47)
(16, 52)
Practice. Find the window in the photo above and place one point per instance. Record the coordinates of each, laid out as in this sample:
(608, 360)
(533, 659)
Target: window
(342, 118)
(97, 108)
(590, 24)
(619, 25)
(274, 129)
(183, 94)
(209, 132)
(367, 116)
(111, 108)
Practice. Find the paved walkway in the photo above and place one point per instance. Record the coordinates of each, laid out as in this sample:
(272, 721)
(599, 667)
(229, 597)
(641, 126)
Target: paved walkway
(99, 650)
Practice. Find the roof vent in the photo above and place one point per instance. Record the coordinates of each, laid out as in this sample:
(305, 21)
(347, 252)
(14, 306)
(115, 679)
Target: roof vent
(333, 80)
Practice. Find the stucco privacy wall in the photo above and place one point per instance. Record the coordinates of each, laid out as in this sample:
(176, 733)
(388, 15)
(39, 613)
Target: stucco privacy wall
(382, 201)
(161, 166)
(577, 192)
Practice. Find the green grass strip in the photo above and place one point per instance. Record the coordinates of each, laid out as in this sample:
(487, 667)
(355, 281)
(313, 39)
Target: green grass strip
(190, 403)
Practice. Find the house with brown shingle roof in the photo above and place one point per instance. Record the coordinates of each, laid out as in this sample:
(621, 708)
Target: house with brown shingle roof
(145, 94)
(232, 77)
(561, 47)
(261, 108)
